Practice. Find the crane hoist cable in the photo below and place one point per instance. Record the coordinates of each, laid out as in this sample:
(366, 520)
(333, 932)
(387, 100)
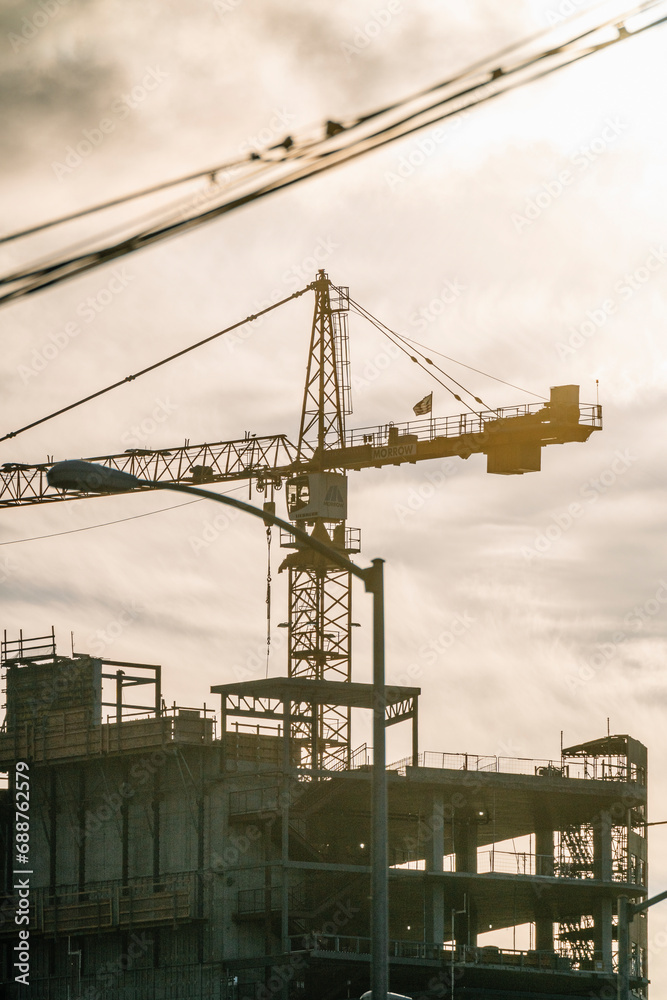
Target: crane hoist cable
(156, 364)
(64, 269)
(268, 597)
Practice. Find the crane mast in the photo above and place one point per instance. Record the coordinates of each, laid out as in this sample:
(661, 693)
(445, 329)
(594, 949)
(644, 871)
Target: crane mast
(320, 612)
(314, 472)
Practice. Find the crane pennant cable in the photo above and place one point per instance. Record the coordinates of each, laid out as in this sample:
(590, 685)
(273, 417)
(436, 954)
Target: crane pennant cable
(297, 161)
(157, 364)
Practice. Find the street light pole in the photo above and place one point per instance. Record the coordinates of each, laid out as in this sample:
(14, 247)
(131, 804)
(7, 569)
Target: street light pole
(88, 477)
(379, 838)
(626, 911)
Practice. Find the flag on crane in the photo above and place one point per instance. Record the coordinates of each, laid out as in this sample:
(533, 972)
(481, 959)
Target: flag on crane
(424, 405)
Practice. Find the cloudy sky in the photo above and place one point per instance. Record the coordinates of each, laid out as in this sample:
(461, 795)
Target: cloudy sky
(565, 616)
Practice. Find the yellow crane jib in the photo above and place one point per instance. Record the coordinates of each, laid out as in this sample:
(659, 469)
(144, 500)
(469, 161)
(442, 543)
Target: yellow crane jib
(511, 437)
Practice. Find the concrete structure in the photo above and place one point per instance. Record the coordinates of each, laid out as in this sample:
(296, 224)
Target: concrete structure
(172, 859)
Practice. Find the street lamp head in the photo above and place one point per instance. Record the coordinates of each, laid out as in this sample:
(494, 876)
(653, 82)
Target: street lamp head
(88, 477)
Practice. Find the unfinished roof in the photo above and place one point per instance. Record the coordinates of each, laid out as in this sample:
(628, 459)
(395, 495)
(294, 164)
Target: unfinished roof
(607, 746)
(297, 689)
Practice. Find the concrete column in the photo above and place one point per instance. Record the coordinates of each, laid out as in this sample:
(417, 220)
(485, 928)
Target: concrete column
(603, 870)
(544, 865)
(415, 732)
(465, 851)
(82, 828)
(465, 846)
(602, 847)
(434, 890)
(602, 933)
(544, 849)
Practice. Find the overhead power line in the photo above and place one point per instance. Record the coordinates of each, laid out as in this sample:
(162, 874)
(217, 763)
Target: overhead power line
(118, 520)
(287, 144)
(347, 141)
(122, 200)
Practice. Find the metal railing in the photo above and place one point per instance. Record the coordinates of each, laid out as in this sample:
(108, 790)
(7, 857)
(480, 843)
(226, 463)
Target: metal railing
(346, 944)
(599, 769)
(248, 801)
(254, 902)
(108, 905)
(361, 757)
(185, 981)
(464, 423)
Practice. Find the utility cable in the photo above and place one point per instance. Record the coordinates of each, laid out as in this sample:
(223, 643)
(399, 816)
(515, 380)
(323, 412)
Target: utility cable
(70, 268)
(73, 267)
(430, 361)
(376, 323)
(120, 520)
(503, 73)
(211, 172)
(254, 158)
(409, 340)
(513, 47)
(157, 364)
(153, 220)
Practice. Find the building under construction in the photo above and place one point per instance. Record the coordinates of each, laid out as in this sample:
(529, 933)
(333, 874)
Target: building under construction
(175, 854)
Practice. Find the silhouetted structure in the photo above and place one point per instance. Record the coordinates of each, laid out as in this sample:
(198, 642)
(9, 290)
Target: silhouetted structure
(172, 860)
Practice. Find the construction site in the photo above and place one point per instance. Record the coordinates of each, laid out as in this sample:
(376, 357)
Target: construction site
(227, 852)
(177, 856)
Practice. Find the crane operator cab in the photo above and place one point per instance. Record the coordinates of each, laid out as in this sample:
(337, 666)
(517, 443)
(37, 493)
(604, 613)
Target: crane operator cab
(317, 495)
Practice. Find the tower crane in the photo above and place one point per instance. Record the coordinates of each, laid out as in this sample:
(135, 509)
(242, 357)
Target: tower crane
(314, 474)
